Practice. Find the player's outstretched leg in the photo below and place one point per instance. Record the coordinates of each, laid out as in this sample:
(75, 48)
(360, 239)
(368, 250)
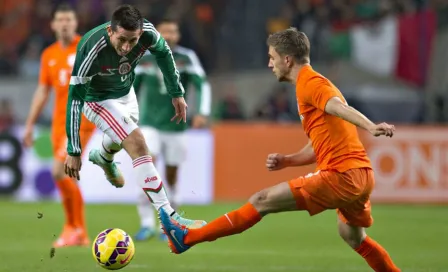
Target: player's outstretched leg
(104, 158)
(374, 254)
(149, 179)
(278, 198)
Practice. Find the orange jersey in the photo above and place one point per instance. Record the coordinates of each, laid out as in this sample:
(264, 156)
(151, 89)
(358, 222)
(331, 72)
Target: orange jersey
(55, 71)
(335, 141)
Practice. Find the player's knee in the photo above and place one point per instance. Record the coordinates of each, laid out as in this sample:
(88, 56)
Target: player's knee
(353, 238)
(135, 144)
(260, 201)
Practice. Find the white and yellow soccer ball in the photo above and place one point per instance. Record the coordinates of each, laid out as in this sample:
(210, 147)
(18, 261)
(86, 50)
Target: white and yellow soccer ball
(113, 249)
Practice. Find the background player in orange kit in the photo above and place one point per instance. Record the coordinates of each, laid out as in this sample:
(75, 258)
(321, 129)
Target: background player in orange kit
(343, 179)
(56, 67)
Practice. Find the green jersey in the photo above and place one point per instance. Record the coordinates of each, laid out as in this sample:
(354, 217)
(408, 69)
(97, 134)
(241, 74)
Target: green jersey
(152, 91)
(99, 73)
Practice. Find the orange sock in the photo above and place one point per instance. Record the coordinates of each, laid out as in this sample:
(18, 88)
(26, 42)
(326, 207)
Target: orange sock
(66, 188)
(79, 215)
(376, 256)
(229, 224)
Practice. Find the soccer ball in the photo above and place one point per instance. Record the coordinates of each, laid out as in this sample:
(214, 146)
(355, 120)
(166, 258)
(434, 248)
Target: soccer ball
(113, 249)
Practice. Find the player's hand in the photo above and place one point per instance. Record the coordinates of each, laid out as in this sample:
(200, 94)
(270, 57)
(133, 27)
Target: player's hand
(276, 161)
(180, 106)
(72, 166)
(382, 129)
(28, 140)
(199, 121)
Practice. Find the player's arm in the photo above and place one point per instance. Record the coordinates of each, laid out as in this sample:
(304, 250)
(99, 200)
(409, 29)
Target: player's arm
(39, 101)
(336, 107)
(327, 98)
(82, 74)
(304, 157)
(203, 91)
(40, 98)
(164, 57)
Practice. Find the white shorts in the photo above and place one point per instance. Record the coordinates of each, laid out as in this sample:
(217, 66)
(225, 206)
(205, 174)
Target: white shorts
(115, 117)
(171, 145)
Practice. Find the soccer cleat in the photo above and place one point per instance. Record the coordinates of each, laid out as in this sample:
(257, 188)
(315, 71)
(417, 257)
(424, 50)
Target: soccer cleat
(113, 174)
(174, 232)
(84, 241)
(144, 233)
(70, 237)
(191, 224)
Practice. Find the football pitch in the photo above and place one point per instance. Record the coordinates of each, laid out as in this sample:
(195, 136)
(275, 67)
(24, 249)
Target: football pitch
(415, 236)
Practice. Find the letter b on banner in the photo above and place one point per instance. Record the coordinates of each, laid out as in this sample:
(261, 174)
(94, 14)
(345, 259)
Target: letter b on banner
(10, 172)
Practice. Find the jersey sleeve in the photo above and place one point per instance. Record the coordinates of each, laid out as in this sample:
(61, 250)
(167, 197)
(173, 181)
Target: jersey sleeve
(201, 85)
(164, 57)
(83, 71)
(44, 71)
(319, 91)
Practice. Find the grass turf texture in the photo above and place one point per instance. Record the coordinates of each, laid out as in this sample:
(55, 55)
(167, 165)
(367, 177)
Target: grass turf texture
(415, 236)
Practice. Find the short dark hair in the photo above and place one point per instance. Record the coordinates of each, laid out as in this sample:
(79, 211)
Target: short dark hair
(63, 7)
(128, 17)
(291, 42)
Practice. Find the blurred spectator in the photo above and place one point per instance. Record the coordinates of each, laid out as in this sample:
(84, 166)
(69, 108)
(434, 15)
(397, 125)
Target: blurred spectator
(229, 107)
(279, 106)
(6, 115)
(29, 63)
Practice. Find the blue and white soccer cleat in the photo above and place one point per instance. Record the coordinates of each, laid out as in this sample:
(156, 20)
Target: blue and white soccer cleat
(113, 174)
(189, 223)
(175, 233)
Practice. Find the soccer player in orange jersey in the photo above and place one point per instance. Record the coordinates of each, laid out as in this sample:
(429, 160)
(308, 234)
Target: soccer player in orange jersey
(56, 67)
(343, 179)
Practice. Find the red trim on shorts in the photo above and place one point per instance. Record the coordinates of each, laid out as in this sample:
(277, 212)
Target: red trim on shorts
(106, 116)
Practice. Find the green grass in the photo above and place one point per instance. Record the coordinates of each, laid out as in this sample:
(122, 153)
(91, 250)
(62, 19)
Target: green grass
(415, 236)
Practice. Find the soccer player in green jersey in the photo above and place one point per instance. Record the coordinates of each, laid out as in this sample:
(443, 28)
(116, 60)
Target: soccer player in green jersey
(163, 137)
(101, 88)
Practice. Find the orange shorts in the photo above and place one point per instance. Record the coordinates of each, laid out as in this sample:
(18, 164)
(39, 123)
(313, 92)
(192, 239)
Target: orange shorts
(347, 192)
(59, 140)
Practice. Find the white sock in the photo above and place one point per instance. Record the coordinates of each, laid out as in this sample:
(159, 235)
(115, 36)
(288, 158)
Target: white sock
(145, 211)
(109, 148)
(149, 179)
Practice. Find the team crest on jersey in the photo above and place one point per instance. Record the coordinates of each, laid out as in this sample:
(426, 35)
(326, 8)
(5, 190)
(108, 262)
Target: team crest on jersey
(124, 68)
(127, 120)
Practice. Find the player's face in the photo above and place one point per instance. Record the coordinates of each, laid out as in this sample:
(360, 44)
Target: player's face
(123, 40)
(64, 24)
(278, 64)
(170, 32)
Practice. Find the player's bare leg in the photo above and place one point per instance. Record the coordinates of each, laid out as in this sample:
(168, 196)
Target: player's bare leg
(374, 254)
(72, 235)
(149, 178)
(278, 198)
